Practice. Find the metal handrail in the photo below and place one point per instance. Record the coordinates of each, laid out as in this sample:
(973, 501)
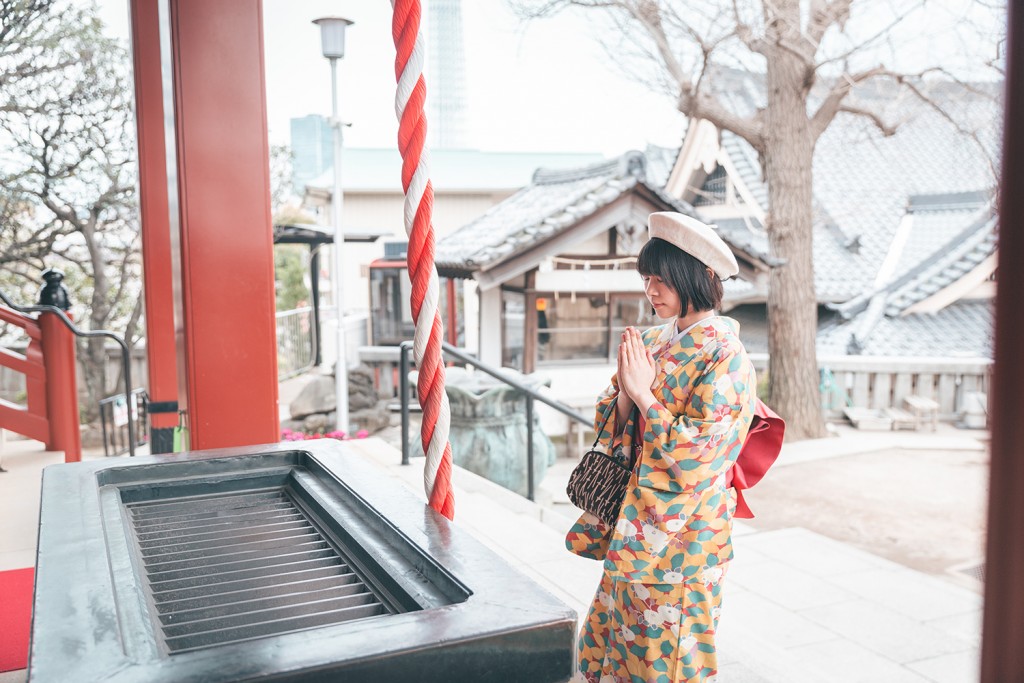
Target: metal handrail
(125, 352)
(531, 395)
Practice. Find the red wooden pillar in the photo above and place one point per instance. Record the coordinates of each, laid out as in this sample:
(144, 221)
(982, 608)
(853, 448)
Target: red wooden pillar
(1002, 647)
(227, 326)
(156, 224)
(58, 344)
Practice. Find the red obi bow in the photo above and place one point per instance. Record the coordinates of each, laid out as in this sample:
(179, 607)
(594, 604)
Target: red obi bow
(759, 452)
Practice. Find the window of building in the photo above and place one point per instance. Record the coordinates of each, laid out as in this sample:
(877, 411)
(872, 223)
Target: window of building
(391, 311)
(587, 327)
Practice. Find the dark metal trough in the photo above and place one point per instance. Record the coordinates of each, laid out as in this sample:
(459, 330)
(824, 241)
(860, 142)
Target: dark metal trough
(274, 564)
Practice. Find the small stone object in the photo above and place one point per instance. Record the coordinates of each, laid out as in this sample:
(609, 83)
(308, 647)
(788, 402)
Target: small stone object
(318, 422)
(361, 392)
(316, 397)
(314, 409)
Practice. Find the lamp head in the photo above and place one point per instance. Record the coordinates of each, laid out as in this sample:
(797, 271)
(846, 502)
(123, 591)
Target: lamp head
(332, 36)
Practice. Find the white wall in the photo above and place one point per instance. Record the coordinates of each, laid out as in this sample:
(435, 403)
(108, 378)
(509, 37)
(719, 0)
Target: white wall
(471, 312)
(490, 326)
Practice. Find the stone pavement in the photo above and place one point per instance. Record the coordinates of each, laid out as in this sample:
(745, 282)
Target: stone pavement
(798, 606)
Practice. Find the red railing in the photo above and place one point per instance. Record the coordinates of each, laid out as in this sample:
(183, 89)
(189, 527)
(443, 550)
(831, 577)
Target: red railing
(50, 413)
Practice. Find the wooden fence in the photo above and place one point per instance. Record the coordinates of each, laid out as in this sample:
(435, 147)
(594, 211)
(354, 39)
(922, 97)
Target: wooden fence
(884, 382)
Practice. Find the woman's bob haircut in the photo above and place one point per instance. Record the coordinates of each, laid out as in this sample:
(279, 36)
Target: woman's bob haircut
(696, 285)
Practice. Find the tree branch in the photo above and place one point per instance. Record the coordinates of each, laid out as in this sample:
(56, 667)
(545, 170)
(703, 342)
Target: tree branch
(830, 105)
(886, 129)
(824, 15)
(707, 107)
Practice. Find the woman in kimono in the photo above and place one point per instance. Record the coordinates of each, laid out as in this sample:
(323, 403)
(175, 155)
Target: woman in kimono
(681, 402)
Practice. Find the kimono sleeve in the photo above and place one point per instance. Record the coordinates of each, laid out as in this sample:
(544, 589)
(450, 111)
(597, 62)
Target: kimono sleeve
(683, 453)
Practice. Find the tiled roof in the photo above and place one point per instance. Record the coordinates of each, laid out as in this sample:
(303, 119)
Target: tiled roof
(837, 273)
(969, 239)
(945, 267)
(554, 201)
(746, 234)
(744, 158)
(660, 161)
(963, 329)
(863, 182)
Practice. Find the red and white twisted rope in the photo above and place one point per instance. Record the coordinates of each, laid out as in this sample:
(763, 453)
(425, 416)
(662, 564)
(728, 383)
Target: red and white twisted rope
(419, 202)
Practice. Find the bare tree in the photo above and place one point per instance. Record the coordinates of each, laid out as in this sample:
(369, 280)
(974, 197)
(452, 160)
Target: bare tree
(68, 184)
(812, 56)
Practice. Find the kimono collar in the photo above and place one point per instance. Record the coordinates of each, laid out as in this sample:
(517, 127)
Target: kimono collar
(695, 336)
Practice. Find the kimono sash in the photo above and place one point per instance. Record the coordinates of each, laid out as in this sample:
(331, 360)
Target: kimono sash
(760, 450)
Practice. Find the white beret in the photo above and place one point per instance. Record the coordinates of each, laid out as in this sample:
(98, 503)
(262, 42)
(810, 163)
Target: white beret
(696, 239)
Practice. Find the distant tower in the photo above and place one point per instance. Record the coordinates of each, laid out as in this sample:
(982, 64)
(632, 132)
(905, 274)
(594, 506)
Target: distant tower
(446, 76)
(312, 149)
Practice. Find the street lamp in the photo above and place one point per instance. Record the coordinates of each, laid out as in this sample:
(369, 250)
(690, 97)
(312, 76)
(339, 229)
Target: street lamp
(332, 44)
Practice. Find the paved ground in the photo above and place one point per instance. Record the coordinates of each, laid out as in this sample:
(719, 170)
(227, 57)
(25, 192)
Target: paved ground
(916, 498)
(844, 576)
(800, 605)
(924, 509)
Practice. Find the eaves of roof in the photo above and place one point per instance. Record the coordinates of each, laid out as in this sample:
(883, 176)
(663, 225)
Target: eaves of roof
(555, 201)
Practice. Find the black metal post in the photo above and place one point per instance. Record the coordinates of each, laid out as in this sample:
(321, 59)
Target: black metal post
(403, 392)
(529, 447)
(314, 286)
(103, 424)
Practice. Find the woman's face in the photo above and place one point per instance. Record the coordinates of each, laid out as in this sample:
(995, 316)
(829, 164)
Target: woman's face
(662, 297)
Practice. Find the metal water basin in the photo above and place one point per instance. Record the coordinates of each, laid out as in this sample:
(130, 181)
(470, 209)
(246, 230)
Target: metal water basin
(274, 564)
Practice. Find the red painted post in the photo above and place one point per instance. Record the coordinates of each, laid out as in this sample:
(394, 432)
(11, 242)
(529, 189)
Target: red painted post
(154, 210)
(61, 388)
(1002, 644)
(229, 332)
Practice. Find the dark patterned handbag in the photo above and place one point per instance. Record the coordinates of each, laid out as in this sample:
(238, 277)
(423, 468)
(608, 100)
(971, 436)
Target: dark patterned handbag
(598, 483)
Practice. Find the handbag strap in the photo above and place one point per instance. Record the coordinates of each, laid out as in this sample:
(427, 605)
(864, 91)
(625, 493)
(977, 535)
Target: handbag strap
(604, 422)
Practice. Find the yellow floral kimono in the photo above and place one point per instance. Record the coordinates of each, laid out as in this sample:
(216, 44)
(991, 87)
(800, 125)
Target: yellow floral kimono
(656, 609)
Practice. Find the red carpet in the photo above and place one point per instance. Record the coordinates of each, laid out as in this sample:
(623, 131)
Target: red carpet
(15, 617)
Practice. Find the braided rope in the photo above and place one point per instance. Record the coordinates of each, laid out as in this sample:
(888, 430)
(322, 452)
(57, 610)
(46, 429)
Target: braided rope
(419, 202)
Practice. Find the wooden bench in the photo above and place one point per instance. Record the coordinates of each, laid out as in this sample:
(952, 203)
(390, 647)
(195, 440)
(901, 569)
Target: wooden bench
(923, 409)
(868, 419)
(901, 419)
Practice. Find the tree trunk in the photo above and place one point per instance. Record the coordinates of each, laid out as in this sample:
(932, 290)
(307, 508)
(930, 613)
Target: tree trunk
(792, 304)
(94, 359)
(93, 362)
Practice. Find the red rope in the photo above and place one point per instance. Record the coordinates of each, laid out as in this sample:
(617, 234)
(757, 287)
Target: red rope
(412, 133)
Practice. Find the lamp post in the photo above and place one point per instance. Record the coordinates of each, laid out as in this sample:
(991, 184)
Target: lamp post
(332, 44)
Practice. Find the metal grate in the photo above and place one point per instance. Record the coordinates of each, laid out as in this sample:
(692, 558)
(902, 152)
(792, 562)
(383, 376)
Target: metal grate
(224, 568)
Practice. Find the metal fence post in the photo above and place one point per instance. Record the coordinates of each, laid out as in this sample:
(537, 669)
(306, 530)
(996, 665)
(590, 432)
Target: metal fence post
(529, 447)
(403, 392)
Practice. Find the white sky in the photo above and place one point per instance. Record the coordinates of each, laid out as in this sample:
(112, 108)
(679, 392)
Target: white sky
(546, 86)
(543, 86)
